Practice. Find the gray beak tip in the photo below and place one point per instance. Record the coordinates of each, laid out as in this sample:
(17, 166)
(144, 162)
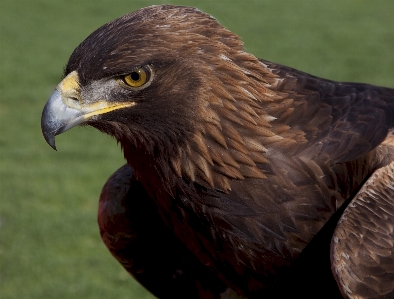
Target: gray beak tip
(50, 139)
(57, 118)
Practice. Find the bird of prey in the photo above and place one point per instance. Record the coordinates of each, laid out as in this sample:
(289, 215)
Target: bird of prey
(244, 177)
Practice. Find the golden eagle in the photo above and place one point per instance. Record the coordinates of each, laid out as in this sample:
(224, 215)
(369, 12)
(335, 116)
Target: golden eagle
(243, 176)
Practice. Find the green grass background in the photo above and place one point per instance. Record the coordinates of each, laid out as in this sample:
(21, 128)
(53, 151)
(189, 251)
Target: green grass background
(49, 241)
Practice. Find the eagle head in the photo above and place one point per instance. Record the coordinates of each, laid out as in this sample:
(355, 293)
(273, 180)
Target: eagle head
(172, 86)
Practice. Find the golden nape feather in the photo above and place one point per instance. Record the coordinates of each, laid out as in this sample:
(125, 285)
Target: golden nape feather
(244, 178)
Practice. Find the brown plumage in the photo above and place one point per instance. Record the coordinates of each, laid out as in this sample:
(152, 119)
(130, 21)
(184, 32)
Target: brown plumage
(235, 164)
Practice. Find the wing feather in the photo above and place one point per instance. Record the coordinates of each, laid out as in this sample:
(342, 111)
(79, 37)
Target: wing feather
(362, 246)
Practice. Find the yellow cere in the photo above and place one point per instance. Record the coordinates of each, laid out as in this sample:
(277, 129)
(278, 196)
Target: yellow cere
(70, 83)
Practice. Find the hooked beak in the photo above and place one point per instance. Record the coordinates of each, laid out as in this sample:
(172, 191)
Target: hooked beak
(66, 109)
(57, 118)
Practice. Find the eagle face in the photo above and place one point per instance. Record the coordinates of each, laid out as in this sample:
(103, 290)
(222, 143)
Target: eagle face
(148, 99)
(136, 69)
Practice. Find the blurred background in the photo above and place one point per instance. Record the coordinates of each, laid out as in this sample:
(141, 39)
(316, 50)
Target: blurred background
(49, 240)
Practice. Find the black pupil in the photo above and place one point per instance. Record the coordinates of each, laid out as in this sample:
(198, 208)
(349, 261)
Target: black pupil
(135, 76)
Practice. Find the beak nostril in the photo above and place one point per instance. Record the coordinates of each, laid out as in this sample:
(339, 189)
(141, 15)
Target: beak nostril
(72, 101)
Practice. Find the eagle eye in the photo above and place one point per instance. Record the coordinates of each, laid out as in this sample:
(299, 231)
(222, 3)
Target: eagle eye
(137, 77)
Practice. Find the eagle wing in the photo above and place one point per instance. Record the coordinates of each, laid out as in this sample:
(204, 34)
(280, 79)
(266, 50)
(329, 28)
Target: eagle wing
(135, 234)
(339, 121)
(362, 245)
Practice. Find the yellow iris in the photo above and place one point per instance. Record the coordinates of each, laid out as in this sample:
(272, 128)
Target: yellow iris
(136, 78)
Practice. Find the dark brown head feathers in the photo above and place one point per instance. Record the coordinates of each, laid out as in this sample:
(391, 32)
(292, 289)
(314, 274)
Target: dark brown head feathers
(144, 36)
